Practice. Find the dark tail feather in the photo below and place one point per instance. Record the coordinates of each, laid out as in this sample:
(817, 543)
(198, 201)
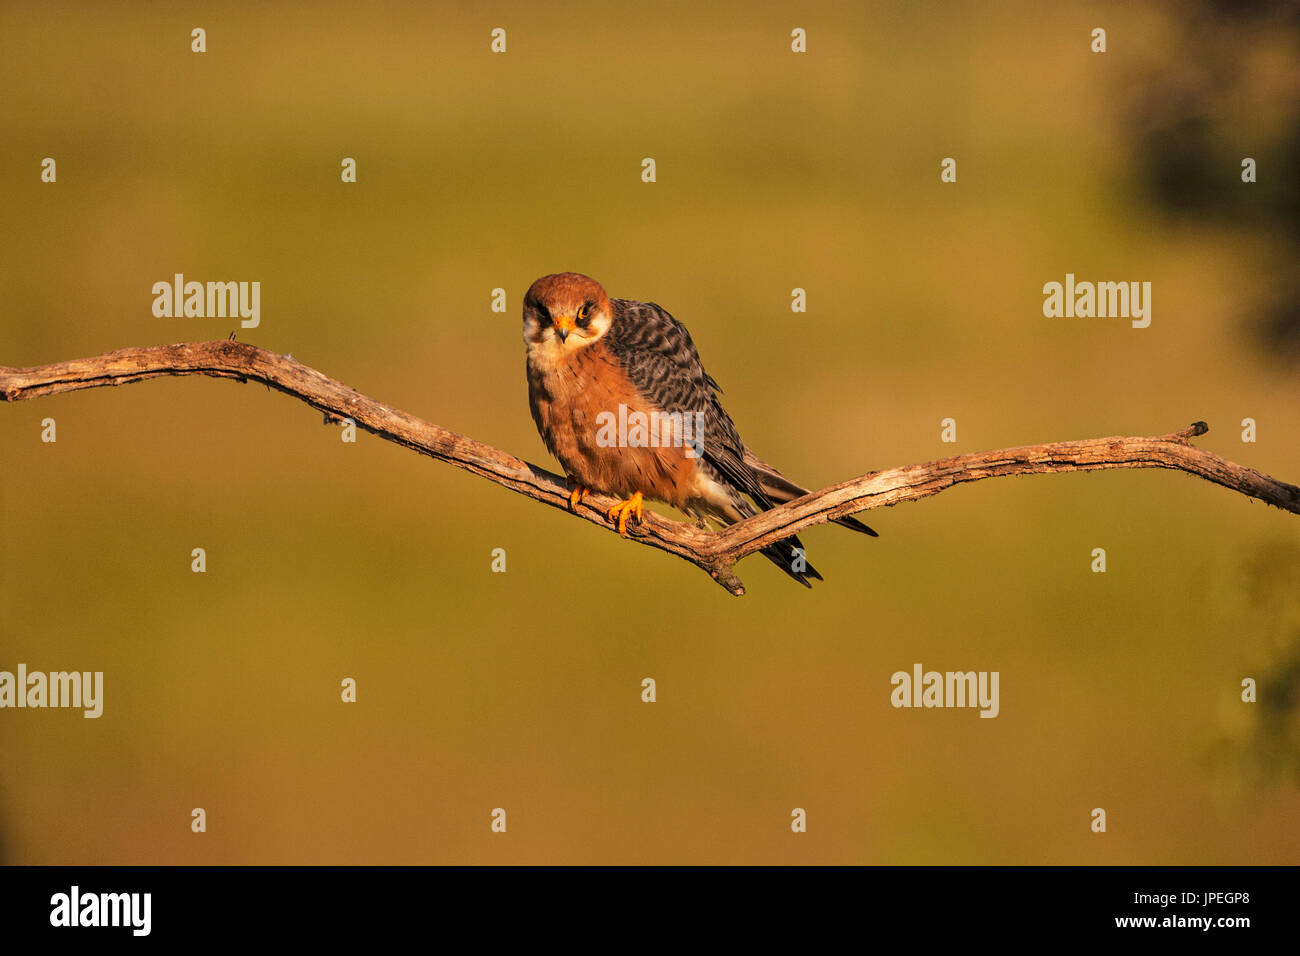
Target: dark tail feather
(781, 489)
(853, 524)
(784, 556)
(788, 555)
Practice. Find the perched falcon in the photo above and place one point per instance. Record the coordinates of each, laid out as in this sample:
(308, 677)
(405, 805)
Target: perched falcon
(596, 364)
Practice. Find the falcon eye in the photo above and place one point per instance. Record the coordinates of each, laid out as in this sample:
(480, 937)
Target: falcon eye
(584, 317)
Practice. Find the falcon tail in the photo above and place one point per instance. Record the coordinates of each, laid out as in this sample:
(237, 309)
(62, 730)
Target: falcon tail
(785, 557)
(781, 489)
(766, 487)
(727, 507)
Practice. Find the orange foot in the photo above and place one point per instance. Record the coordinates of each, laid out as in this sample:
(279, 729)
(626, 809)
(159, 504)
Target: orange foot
(579, 494)
(623, 509)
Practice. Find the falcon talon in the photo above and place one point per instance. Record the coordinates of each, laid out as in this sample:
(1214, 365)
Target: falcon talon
(620, 512)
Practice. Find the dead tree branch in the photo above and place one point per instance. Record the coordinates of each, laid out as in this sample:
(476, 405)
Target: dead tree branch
(714, 552)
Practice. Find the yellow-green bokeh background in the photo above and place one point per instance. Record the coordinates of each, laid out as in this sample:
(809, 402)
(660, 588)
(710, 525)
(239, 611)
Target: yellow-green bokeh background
(521, 690)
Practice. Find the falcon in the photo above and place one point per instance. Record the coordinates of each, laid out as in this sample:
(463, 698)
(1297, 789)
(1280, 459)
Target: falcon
(594, 361)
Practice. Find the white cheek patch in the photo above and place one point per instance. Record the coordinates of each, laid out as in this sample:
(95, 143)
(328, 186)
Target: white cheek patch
(598, 328)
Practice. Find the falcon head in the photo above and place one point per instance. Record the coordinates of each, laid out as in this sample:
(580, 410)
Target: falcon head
(565, 311)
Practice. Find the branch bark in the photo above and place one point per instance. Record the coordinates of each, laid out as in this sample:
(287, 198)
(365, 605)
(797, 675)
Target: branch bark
(716, 552)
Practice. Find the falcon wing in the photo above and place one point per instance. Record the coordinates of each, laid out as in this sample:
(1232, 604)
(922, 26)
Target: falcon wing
(660, 359)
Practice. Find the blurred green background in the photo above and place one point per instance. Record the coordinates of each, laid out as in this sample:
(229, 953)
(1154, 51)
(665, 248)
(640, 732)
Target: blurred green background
(522, 690)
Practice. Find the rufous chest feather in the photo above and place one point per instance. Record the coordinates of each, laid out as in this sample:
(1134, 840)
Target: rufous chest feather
(571, 395)
(570, 390)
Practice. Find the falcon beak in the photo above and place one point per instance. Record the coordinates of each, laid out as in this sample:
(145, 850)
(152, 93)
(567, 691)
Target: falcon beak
(563, 326)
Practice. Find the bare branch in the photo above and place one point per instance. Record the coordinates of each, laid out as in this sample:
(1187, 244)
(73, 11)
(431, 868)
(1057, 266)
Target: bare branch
(714, 552)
